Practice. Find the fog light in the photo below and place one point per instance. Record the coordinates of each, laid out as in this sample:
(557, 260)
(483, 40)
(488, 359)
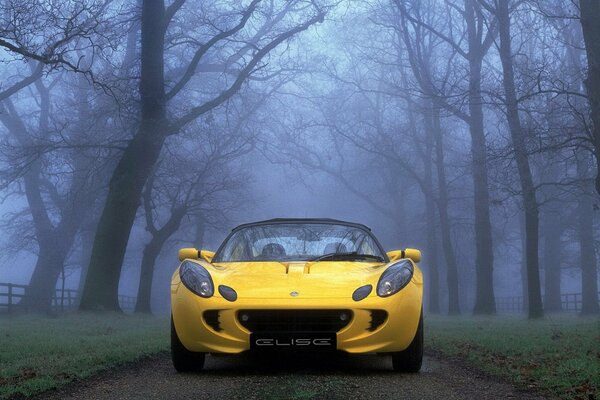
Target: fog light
(244, 317)
(343, 317)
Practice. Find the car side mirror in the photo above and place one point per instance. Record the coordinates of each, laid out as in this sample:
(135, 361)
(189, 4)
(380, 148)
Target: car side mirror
(413, 254)
(188, 253)
(207, 255)
(195, 254)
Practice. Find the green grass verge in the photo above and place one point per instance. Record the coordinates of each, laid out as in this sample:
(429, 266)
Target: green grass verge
(559, 355)
(40, 353)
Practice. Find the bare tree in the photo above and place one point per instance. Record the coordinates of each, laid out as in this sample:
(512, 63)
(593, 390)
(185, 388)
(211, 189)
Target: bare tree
(589, 260)
(142, 152)
(502, 10)
(181, 187)
(54, 35)
(479, 38)
(589, 17)
(58, 200)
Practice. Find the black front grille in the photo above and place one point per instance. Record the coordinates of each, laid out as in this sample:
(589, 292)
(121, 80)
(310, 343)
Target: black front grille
(294, 320)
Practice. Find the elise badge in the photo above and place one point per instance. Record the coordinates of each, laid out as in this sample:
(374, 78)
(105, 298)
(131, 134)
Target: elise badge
(294, 294)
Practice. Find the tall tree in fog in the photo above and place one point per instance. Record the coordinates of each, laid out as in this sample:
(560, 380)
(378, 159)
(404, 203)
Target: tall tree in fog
(587, 251)
(159, 89)
(502, 10)
(180, 187)
(60, 186)
(589, 17)
(419, 44)
(470, 25)
(585, 136)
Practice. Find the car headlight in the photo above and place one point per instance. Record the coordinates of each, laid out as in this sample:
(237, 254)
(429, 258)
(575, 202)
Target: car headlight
(196, 278)
(395, 278)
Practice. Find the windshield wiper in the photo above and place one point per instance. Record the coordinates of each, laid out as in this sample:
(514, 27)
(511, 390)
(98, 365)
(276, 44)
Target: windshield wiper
(352, 255)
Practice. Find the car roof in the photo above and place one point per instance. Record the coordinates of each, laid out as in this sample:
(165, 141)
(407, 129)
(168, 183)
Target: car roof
(302, 221)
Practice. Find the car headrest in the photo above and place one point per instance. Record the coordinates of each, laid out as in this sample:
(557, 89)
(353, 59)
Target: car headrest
(335, 247)
(273, 250)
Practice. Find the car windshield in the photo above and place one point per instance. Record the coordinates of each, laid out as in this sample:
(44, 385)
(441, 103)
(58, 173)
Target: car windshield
(299, 242)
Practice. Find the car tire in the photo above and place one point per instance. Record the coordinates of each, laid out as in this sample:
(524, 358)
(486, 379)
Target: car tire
(183, 359)
(410, 360)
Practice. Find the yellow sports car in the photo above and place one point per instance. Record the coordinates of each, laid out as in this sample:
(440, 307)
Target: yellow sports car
(297, 284)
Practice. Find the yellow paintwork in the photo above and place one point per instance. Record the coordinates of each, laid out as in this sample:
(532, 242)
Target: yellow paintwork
(189, 253)
(207, 255)
(413, 254)
(321, 285)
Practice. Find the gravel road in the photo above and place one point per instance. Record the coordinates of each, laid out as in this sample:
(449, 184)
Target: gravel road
(291, 377)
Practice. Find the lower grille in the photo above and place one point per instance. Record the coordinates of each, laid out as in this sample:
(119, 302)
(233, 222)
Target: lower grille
(211, 317)
(378, 317)
(294, 320)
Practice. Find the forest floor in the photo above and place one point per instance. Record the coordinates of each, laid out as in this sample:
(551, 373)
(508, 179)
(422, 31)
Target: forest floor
(558, 355)
(38, 353)
(119, 356)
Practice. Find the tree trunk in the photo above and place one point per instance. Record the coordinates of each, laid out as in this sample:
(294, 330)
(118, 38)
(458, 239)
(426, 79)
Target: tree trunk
(590, 15)
(450, 257)
(51, 254)
(485, 302)
(42, 285)
(125, 189)
(589, 263)
(144, 295)
(132, 171)
(535, 309)
(151, 252)
(86, 233)
(525, 303)
(431, 229)
(552, 259)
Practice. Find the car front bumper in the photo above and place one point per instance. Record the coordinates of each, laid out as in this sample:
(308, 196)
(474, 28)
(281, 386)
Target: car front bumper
(359, 335)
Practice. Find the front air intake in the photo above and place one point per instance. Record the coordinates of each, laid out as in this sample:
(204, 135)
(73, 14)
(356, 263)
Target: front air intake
(378, 317)
(211, 317)
(294, 320)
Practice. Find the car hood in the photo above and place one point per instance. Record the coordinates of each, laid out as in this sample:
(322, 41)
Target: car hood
(323, 279)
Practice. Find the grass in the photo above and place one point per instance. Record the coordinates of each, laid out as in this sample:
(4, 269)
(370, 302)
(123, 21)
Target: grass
(558, 355)
(39, 353)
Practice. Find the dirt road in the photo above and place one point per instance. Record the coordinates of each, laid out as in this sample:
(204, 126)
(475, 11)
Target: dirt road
(291, 377)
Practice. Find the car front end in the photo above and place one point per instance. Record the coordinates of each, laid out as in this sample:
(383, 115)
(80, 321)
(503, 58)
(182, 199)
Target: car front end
(297, 311)
(317, 286)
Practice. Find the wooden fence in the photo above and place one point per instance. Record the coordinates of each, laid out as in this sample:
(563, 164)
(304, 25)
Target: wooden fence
(63, 300)
(570, 302)
(68, 300)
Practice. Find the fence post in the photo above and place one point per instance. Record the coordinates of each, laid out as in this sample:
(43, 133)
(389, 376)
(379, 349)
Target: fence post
(10, 293)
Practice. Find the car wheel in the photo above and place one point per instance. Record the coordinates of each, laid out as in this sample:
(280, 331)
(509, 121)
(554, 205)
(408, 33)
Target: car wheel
(410, 360)
(183, 359)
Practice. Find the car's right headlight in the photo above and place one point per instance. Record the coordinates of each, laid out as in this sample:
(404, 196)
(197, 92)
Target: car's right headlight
(196, 278)
(394, 278)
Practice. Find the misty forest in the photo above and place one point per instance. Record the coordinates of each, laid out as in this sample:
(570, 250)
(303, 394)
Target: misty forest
(469, 129)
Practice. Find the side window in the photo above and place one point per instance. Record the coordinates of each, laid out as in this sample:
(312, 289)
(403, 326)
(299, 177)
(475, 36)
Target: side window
(367, 246)
(237, 252)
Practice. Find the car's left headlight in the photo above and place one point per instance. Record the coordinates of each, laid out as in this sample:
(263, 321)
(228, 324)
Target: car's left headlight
(394, 278)
(196, 278)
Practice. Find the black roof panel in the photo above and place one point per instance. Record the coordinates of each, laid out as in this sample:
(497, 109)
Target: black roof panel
(302, 221)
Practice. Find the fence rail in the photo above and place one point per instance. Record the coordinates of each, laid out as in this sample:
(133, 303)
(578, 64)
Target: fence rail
(63, 300)
(570, 302)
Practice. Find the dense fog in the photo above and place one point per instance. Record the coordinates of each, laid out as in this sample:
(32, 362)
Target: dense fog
(469, 129)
